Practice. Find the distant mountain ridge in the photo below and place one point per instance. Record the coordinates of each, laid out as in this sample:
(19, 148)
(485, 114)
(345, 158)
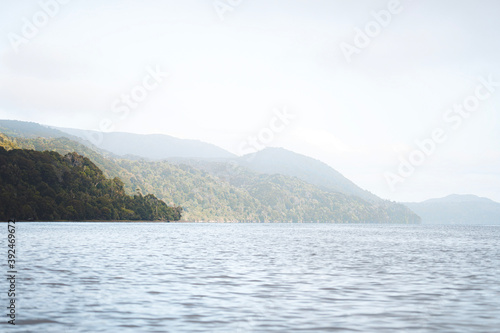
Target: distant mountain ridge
(457, 209)
(25, 129)
(457, 198)
(150, 146)
(285, 162)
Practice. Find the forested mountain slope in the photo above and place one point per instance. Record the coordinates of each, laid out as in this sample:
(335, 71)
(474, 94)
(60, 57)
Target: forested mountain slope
(46, 186)
(234, 193)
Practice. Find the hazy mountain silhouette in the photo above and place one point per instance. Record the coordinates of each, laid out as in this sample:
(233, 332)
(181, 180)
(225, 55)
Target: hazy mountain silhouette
(457, 209)
(128, 145)
(150, 146)
(285, 162)
(25, 129)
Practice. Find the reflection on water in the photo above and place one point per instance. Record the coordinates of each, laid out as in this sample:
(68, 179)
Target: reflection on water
(150, 277)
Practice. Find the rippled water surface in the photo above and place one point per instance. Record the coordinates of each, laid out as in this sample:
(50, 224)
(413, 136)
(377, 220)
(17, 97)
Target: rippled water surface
(185, 277)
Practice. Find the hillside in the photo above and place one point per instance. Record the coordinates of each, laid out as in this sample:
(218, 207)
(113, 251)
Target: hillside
(7, 143)
(458, 209)
(263, 186)
(234, 193)
(46, 186)
(273, 185)
(265, 197)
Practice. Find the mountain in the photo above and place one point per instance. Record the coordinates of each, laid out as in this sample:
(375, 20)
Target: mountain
(16, 128)
(458, 209)
(284, 162)
(292, 199)
(158, 147)
(460, 198)
(46, 186)
(224, 191)
(149, 146)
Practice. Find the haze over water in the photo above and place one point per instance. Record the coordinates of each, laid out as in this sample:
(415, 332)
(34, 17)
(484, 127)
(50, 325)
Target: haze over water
(156, 277)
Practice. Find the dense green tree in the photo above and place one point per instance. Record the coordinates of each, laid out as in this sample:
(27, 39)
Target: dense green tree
(48, 186)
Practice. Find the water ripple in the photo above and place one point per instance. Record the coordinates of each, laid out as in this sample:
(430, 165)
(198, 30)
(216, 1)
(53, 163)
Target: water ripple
(147, 277)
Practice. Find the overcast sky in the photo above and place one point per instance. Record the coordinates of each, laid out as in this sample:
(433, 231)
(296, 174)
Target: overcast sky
(359, 92)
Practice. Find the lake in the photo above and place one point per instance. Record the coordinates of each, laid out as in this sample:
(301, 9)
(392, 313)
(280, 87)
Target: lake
(201, 277)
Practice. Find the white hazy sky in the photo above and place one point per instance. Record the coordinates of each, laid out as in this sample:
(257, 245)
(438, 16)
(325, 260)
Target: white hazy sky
(227, 76)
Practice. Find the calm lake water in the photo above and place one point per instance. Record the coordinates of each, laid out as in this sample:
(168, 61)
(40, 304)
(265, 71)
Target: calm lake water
(186, 277)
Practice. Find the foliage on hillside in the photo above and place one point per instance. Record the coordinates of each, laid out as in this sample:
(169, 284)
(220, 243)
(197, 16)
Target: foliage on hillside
(7, 143)
(48, 186)
(287, 198)
(226, 192)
